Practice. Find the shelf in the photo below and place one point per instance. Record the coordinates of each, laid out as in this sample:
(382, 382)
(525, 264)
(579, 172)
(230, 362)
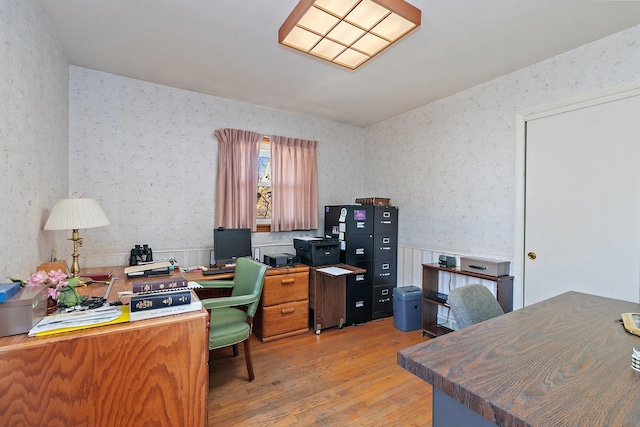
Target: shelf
(430, 283)
(435, 301)
(457, 270)
(436, 331)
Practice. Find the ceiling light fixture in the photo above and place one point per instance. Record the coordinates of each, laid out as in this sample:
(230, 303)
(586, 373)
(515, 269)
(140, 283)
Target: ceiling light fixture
(347, 32)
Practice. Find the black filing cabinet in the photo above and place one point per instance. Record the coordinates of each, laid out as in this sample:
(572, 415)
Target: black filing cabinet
(385, 260)
(368, 239)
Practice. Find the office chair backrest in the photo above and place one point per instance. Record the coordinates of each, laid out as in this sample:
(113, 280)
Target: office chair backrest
(473, 304)
(248, 280)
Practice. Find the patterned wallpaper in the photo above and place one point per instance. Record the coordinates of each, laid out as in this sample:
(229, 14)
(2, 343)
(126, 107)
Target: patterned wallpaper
(148, 154)
(450, 165)
(33, 136)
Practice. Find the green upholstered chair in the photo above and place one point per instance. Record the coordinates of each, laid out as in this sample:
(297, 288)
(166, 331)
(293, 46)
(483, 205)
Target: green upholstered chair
(473, 304)
(232, 317)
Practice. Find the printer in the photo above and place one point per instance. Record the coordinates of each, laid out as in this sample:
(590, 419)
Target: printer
(316, 251)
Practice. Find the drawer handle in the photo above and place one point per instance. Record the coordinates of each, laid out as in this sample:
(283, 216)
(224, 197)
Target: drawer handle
(287, 281)
(287, 310)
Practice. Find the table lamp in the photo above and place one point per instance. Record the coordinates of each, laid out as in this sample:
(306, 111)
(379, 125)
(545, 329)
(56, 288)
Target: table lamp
(74, 214)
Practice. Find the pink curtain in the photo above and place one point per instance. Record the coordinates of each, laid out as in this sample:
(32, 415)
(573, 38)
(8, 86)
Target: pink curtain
(294, 184)
(237, 179)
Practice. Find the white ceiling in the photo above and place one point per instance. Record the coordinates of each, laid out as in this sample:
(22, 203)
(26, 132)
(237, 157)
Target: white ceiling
(229, 48)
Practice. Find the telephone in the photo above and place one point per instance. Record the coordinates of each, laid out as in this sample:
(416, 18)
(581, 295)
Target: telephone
(631, 322)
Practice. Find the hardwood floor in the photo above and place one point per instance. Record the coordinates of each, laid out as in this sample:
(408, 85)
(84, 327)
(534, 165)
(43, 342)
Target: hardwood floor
(341, 377)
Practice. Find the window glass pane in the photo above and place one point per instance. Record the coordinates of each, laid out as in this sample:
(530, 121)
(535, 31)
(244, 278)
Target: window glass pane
(263, 205)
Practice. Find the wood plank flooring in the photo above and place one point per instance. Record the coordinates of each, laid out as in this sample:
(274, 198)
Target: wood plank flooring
(341, 377)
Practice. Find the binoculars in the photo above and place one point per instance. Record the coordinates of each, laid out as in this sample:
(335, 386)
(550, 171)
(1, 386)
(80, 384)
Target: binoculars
(140, 254)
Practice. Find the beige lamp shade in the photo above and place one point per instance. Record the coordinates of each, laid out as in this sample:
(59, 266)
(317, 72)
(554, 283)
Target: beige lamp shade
(76, 213)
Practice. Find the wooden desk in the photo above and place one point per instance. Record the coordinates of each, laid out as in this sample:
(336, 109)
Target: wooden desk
(151, 372)
(565, 361)
(283, 310)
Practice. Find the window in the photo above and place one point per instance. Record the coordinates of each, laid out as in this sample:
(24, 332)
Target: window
(263, 204)
(266, 183)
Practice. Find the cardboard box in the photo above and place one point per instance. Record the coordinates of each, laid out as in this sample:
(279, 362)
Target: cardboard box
(488, 267)
(23, 311)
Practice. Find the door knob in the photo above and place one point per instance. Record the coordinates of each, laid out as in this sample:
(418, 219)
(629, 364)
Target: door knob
(532, 255)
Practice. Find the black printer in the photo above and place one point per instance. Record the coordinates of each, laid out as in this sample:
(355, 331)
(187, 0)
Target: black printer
(316, 251)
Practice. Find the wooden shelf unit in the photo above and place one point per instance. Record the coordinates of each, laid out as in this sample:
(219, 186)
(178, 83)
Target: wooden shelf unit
(430, 282)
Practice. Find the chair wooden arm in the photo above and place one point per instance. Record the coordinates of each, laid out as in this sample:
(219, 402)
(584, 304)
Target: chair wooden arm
(213, 303)
(214, 284)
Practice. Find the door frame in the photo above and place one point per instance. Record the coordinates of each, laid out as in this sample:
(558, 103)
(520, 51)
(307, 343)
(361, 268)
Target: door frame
(522, 116)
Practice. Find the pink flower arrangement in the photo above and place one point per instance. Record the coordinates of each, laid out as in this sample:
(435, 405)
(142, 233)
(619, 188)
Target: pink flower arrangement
(55, 280)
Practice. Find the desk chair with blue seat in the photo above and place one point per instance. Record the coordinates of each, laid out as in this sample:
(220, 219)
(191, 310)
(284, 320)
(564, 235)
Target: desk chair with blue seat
(232, 317)
(473, 304)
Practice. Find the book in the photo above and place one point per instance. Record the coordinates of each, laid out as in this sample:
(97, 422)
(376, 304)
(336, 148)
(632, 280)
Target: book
(97, 277)
(159, 284)
(147, 267)
(7, 290)
(166, 311)
(153, 301)
(150, 273)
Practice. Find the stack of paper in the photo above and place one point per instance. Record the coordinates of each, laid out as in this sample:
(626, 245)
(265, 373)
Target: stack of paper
(76, 320)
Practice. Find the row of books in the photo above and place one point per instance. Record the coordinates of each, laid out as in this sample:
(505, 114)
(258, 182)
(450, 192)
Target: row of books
(161, 296)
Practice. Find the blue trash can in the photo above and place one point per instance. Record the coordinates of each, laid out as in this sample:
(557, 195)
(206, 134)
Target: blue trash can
(407, 308)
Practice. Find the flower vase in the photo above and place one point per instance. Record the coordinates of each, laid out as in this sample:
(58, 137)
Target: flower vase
(51, 305)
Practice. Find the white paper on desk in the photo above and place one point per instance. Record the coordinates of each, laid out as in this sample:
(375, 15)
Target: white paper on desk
(309, 238)
(193, 285)
(335, 271)
(76, 318)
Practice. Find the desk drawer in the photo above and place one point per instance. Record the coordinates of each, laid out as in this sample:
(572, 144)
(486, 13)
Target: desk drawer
(283, 288)
(283, 318)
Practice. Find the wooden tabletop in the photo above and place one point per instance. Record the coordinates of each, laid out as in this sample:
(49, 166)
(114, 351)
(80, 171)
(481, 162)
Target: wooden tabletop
(565, 361)
(121, 283)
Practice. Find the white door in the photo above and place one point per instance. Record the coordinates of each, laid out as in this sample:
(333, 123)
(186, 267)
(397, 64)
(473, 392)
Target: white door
(582, 202)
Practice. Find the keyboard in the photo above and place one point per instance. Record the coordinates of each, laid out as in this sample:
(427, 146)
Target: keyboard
(221, 270)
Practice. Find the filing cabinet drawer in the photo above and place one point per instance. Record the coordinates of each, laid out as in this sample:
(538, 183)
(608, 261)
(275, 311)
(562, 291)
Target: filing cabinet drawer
(359, 247)
(382, 301)
(386, 220)
(285, 288)
(385, 271)
(285, 318)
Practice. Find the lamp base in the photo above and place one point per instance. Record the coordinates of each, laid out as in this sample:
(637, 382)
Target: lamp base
(77, 242)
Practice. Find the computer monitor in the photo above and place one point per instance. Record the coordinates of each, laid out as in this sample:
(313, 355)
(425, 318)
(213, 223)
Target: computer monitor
(231, 243)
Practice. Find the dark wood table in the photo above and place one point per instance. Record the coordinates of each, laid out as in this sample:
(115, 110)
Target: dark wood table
(565, 361)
